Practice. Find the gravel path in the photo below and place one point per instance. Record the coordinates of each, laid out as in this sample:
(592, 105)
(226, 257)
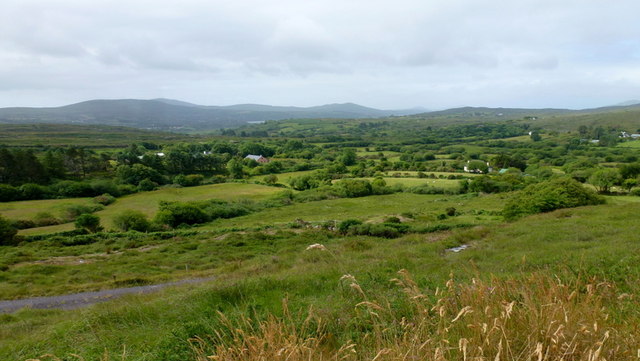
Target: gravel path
(77, 300)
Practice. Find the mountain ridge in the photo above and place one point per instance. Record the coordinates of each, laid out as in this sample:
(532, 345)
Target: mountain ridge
(171, 114)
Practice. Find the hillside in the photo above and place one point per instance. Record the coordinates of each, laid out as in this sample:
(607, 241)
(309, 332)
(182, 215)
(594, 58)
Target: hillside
(174, 115)
(89, 136)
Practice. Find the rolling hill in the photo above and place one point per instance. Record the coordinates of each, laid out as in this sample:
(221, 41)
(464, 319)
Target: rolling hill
(174, 115)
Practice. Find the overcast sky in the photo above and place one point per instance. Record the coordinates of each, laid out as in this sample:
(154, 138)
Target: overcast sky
(385, 54)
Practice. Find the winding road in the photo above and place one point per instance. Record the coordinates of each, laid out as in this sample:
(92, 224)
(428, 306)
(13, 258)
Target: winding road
(83, 299)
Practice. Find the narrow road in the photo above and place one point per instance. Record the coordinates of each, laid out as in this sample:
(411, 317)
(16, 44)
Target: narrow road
(77, 300)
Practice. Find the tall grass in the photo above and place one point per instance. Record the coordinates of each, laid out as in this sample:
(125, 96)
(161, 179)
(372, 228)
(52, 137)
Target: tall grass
(535, 318)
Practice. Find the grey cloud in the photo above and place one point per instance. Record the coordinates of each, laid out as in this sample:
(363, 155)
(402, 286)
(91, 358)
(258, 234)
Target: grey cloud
(405, 53)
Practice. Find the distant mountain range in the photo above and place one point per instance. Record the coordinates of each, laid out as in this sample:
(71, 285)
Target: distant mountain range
(179, 116)
(169, 114)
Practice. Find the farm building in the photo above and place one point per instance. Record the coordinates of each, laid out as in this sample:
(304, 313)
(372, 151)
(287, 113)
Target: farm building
(257, 158)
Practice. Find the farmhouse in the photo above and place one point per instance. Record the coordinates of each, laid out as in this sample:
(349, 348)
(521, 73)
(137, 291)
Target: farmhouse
(257, 158)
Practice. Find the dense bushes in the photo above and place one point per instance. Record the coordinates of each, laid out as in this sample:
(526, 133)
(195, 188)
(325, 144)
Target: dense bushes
(7, 232)
(386, 229)
(550, 195)
(175, 214)
(131, 220)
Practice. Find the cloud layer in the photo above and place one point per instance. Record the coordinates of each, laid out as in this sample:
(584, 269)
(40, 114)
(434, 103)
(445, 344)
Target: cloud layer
(529, 53)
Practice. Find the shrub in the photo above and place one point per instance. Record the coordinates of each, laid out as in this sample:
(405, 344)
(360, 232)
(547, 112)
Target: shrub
(102, 186)
(175, 214)
(190, 180)
(146, 185)
(9, 193)
(392, 220)
(352, 188)
(270, 179)
(33, 191)
(89, 222)
(24, 224)
(426, 189)
(131, 220)
(43, 219)
(73, 189)
(548, 196)
(124, 189)
(74, 211)
(344, 226)
(7, 232)
(104, 199)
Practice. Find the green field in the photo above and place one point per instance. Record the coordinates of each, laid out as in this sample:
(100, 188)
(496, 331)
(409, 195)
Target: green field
(28, 209)
(630, 144)
(147, 202)
(283, 178)
(425, 207)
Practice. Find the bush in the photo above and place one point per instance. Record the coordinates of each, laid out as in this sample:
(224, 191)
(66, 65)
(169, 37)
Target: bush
(548, 196)
(386, 230)
(7, 232)
(102, 186)
(270, 179)
(70, 189)
(89, 222)
(175, 214)
(131, 220)
(33, 191)
(104, 199)
(43, 219)
(352, 188)
(392, 220)
(344, 226)
(190, 180)
(24, 224)
(9, 193)
(426, 189)
(74, 211)
(146, 185)
(124, 189)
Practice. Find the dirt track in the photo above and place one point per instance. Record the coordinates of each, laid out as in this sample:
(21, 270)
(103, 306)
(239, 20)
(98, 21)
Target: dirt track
(77, 300)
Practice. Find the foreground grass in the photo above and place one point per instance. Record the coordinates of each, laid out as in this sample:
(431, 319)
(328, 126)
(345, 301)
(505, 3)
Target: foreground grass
(115, 260)
(571, 252)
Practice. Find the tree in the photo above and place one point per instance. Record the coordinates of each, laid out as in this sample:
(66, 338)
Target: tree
(136, 173)
(477, 166)
(89, 222)
(235, 168)
(629, 183)
(535, 136)
(7, 232)
(630, 170)
(348, 157)
(604, 178)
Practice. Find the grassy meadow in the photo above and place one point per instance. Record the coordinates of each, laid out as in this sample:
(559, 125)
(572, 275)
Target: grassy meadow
(145, 202)
(563, 257)
(29, 209)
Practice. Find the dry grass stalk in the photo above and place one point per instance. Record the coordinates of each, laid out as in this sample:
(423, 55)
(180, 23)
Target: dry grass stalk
(538, 318)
